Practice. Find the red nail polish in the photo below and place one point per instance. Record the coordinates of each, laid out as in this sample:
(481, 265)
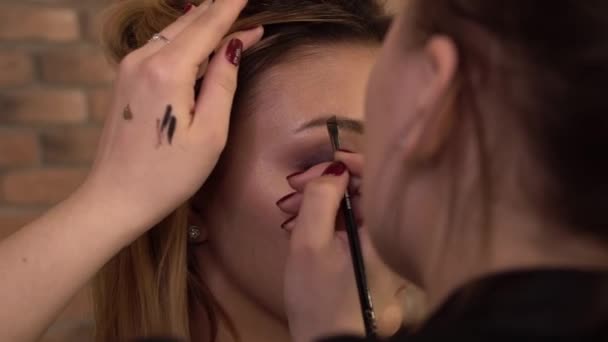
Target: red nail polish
(282, 200)
(345, 150)
(294, 174)
(288, 225)
(234, 52)
(335, 169)
(187, 7)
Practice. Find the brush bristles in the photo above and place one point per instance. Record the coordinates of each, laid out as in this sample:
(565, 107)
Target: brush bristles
(332, 128)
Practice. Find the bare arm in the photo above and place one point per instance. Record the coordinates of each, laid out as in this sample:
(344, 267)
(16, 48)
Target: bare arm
(149, 162)
(44, 264)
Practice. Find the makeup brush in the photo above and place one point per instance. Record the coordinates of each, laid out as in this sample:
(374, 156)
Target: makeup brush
(352, 231)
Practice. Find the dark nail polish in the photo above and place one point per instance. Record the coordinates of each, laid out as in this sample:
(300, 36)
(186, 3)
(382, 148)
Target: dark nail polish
(345, 150)
(289, 224)
(234, 52)
(335, 169)
(294, 174)
(187, 7)
(282, 200)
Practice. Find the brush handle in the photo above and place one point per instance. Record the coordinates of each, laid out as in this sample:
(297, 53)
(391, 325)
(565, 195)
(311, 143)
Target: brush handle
(352, 231)
(365, 299)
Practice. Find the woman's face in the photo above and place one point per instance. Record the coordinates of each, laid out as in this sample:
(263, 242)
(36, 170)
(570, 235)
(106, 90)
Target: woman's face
(282, 132)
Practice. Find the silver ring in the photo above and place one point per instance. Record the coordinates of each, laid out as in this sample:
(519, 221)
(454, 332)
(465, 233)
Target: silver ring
(159, 36)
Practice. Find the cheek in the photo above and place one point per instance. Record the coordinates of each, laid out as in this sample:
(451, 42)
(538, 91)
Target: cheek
(254, 219)
(247, 239)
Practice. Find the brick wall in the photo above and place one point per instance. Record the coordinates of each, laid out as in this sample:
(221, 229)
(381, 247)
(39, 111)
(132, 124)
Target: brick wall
(54, 88)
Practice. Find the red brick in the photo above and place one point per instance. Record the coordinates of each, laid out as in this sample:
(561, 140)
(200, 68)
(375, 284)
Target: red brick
(94, 22)
(75, 3)
(12, 219)
(82, 66)
(43, 106)
(25, 22)
(18, 148)
(70, 145)
(15, 68)
(99, 102)
(42, 186)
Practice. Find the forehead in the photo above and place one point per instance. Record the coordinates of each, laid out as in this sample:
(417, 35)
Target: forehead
(310, 83)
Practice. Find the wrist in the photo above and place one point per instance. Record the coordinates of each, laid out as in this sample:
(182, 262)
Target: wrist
(111, 204)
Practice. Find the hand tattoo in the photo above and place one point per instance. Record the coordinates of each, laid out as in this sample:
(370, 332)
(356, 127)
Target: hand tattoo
(127, 114)
(168, 124)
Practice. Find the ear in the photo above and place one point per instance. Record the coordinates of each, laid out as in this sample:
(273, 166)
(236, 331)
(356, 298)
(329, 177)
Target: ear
(196, 223)
(440, 57)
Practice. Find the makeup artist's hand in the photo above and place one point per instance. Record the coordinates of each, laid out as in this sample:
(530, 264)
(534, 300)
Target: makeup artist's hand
(320, 288)
(291, 203)
(159, 145)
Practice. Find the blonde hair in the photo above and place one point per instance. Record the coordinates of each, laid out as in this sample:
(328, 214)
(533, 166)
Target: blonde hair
(149, 287)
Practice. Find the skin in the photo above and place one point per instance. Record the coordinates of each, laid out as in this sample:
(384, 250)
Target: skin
(417, 242)
(125, 194)
(405, 185)
(246, 251)
(37, 264)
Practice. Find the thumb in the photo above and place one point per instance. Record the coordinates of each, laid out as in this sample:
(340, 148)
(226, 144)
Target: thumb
(315, 226)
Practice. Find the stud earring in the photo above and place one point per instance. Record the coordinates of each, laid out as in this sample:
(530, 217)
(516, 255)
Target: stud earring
(194, 233)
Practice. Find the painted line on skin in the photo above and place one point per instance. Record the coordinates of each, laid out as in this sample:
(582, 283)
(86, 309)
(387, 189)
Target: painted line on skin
(171, 131)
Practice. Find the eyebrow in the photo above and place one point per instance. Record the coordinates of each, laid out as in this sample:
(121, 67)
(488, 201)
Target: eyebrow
(352, 125)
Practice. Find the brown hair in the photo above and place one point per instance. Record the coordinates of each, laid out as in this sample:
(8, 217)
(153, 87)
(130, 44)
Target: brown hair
(552, 71)
(148, 289)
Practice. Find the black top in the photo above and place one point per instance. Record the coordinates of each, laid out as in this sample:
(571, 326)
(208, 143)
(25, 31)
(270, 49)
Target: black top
(542, 305)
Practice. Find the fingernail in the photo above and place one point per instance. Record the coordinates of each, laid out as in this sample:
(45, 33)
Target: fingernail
(335, 169)
(345, 150)
(282, 200)
(290, 224)
(187, 7)
(235, 51)
(294, 174)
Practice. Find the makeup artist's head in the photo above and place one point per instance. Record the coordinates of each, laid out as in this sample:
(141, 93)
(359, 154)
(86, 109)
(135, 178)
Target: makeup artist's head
(487, 132)
(313, 63)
